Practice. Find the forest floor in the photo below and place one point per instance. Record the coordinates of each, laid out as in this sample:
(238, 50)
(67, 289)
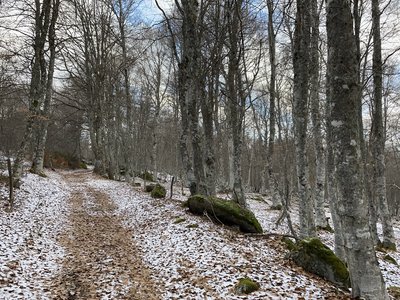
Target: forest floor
(75, 235)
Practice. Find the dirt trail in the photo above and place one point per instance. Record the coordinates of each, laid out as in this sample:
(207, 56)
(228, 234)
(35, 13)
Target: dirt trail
(101, 259)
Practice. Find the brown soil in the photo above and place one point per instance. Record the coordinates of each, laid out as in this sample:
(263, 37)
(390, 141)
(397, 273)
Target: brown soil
(101, 260)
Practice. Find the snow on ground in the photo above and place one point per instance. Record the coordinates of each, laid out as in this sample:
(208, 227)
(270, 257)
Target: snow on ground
(189, 256)
(29, 253)
(193, 258)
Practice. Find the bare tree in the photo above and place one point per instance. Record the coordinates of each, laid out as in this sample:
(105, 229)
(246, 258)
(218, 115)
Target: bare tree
(45, 17)
(43, 120)
(319, 182)
(123, 10)
(272, 97)
(378, 134)
(301, 66)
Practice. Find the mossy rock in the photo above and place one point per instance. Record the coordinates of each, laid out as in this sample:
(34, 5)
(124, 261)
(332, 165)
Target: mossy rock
(290, 245)
(313, 256)
(83, 165)
(390, 259)
(193, 226)
(225, 211)
(147, 176)
(394, 291)
(246, 286)
(276, 207)
(149, 188)
(179, 220)
(158, 191)
(386, 246)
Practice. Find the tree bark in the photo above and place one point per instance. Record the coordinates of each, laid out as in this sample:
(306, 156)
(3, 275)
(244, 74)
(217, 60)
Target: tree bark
(319, 184)
(378, 134)
(236, 101)
(301, 65)
(43, 121)
(330, 176)
(190, 77)
(272, 96)
(352, 206)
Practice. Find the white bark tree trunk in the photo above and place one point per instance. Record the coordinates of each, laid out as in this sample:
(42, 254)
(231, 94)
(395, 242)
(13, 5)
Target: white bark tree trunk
(352, 206)
(319, 183)
(39, 76)
(301, 64)
(235, 99)
(378, 135)
(271, 181)
(43, 121)
(330, 176)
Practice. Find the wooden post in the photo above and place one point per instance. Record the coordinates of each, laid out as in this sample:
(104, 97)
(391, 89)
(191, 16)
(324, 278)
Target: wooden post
(172, 186)
(11, 183)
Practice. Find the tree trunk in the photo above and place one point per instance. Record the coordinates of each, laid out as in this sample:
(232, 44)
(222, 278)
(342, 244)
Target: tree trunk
(300, 115)
(373, 218)
(319, 186)
(236, 101)
(209, 155)
(122, 15)
(378, 134)
(330, 176)
(352, 206)
(43, 121)
(272, 96)
(37, 92)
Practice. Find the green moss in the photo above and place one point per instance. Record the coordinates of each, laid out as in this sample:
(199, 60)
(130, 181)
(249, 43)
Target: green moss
(390, 259)
(394, 291)
(246, 286)
(158, 191)
(258, 199)
(225, 211)
(179, 220)
(236, 210)
(149, 188)
(388, 246)
(290, 245)
(317, 258)
(276, 207)
(193, 226)
(82, 165)
(327, 228)
(147, 176)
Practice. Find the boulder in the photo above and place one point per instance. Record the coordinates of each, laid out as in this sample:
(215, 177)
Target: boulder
(390, 259)
(148, 188)
(246, 286)
(315, 257)
(158, 191)
(225, 211)
(147, 176)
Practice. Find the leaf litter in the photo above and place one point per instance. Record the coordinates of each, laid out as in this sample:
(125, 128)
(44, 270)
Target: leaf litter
(75, 235)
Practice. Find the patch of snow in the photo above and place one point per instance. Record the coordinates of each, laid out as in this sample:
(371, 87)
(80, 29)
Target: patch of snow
(29, 253)
(206, 262)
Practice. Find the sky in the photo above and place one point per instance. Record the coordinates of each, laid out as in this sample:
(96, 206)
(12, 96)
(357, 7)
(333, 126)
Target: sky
(149, 11)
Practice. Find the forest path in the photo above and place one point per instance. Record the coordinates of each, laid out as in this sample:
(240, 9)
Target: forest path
(101, 260)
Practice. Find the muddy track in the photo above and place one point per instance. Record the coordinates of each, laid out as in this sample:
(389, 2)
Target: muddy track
(101, 258)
